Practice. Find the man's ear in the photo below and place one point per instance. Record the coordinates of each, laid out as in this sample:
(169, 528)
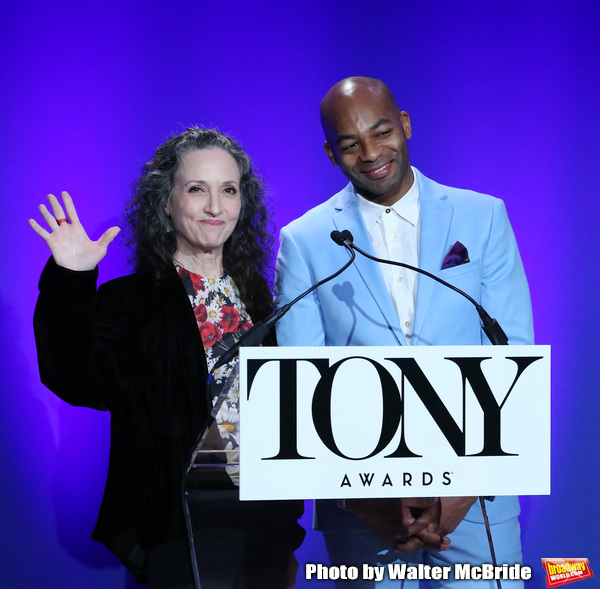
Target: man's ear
(330, 153)
(167, 210)
(405, 122)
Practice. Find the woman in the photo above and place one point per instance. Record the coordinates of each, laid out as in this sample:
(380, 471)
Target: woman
(139, 347)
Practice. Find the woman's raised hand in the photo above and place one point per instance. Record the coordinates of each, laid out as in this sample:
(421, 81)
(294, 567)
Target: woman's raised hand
(67, 239)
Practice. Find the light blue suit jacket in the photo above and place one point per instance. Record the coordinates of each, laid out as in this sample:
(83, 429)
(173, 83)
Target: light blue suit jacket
(356, 308)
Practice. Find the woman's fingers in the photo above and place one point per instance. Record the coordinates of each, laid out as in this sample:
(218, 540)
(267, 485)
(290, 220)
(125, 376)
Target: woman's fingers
(57, 209)
(39, 229)
(70, 207)
(70, 245)
(49, 217)
(108, 236)
(58, 215)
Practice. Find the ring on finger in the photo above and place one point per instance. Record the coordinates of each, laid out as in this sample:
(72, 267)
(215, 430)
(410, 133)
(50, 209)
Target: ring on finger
(63, 220)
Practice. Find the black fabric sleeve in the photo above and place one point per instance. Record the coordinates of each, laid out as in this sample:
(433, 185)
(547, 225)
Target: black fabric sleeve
(82, 349)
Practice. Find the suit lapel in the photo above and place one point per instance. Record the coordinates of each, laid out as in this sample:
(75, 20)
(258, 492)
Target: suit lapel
(436, 216)
(349, 217)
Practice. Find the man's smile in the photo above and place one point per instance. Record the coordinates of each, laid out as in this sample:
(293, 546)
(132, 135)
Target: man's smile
(379, 172)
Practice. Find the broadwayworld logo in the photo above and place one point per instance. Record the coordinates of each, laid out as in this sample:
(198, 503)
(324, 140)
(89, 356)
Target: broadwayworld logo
(560, 571)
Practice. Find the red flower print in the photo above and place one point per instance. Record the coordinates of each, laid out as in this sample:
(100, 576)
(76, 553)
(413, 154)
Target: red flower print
(210, 334)
(246, 325)
(200, 312)
(197, 282)
(230, 320)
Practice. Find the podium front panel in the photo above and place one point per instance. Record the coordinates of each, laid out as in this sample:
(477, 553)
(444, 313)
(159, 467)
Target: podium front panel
(360, 422)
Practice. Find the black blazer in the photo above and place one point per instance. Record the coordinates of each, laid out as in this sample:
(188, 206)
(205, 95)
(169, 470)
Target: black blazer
(133, 348)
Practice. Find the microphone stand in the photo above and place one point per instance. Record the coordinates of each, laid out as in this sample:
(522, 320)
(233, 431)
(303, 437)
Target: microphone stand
(490, 326)
(254, 336)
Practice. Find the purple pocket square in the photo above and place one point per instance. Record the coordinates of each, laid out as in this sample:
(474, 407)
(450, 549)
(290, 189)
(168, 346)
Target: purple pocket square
(457, 256)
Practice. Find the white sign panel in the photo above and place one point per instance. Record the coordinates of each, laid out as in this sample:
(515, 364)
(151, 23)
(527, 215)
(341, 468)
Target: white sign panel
(357, 422)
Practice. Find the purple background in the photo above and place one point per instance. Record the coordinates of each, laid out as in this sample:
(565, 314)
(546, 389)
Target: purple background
(503, 99)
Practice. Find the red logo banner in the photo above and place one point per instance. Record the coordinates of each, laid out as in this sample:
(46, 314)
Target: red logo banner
(560, 571)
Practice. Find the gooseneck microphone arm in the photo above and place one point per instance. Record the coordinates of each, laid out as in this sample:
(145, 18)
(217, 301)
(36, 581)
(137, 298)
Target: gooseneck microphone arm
(258, 331)
(490, 326)
(252, 337)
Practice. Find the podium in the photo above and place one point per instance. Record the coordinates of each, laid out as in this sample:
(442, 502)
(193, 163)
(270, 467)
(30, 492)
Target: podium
(369, 422)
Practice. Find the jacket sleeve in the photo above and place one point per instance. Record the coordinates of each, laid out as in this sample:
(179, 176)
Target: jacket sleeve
(303, 323)
(83, 339)
(504, 288)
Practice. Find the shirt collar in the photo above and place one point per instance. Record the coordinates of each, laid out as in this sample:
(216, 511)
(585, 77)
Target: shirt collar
(407, 207)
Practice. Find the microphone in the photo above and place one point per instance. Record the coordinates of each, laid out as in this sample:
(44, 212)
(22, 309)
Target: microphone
(490, 326)
(343, 238)
(258, 331)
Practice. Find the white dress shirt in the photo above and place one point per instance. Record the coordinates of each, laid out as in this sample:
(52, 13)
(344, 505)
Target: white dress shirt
(394, 232)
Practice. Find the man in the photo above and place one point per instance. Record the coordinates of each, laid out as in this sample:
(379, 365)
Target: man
(395, 212)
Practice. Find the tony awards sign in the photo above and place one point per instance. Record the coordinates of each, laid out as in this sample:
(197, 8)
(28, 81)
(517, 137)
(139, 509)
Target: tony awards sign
(328, 422)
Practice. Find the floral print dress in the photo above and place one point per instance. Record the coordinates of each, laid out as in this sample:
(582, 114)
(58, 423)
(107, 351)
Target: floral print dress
(222, 319)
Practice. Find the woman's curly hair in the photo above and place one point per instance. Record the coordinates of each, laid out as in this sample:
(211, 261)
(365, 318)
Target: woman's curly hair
(247, 254)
